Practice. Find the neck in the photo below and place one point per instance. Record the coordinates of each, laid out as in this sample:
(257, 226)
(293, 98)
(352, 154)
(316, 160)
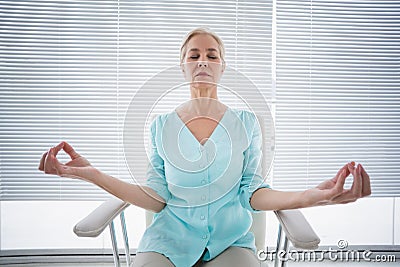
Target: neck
(203, 107)
(203, 92)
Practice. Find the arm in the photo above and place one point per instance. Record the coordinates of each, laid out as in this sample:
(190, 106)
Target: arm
(141, 196)
(327, 193)
(80, 168)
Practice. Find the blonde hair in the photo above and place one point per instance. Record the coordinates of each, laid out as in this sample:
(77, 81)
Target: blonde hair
(202, 30)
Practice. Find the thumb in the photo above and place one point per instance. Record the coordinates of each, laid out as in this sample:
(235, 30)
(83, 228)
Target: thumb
(339, 186)
(70, 150)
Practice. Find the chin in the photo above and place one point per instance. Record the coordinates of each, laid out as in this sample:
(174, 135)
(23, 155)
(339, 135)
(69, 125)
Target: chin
(203, 85)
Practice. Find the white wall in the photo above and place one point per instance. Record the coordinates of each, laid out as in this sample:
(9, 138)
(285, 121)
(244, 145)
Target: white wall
(369, 221)
(49, 224)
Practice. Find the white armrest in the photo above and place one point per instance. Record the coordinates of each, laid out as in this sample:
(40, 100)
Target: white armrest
(95, 223)
(293, 223)
(297, 229)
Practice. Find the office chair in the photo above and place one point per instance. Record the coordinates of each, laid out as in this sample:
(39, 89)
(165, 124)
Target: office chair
(293, 226)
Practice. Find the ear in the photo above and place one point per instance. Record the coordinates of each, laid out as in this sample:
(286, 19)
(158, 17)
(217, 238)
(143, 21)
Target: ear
(181, 65)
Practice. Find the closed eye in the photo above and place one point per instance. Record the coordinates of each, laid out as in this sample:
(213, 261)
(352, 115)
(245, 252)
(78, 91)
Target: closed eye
(197, 56)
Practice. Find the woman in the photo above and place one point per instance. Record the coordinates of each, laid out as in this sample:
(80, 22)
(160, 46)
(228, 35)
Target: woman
(202, 207)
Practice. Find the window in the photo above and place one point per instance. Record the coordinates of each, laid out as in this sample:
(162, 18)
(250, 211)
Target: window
(337, 90)
(70, 68)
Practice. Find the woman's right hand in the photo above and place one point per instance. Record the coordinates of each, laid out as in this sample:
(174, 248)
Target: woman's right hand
(78, 167)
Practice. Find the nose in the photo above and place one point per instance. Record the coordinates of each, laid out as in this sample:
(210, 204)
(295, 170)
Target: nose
(202, 64)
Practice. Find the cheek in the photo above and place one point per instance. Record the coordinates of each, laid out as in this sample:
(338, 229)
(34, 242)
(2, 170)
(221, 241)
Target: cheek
(189, 68)
(187, 72)
(217, 70)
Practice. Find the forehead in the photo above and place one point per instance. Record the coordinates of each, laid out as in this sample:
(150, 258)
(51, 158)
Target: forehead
(202, 42)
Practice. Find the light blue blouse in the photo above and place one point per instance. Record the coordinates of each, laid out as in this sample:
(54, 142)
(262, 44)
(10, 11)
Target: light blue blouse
(207, 188)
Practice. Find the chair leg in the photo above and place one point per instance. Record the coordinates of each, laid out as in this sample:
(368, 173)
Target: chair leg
(114, 245)
(278, 262)
(126, 241)
(278, 246)
(285, 248)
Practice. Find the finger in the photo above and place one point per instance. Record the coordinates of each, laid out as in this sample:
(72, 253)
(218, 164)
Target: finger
(52, 164)
(48, 162)
(57, 148)
(339, 186)
(350, 168)
(346, 167)
(70, 151)
(54, 150)
(366, 188)
(340, 171)
(344, 197)
(342, 179)
(41, 163)
(346, 170)
(356, 187)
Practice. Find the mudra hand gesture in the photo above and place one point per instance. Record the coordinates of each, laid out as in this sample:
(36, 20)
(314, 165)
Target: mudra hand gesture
(328, 192)
(333, 192)
(77, 167)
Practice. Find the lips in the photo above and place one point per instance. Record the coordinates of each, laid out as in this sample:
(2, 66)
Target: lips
(202, 74)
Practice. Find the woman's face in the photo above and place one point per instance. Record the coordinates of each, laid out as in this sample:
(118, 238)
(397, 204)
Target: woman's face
(202, 64)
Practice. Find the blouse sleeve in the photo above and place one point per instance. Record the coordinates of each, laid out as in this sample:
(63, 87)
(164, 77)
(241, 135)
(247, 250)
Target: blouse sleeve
(155, 169)
(252, 178)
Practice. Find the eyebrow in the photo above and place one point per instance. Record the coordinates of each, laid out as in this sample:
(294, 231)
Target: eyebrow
(208, 49)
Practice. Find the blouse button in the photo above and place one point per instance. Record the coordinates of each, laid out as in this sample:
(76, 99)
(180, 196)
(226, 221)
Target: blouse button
(203, 181)
(204, 236)
(203, 197)
(202, 217)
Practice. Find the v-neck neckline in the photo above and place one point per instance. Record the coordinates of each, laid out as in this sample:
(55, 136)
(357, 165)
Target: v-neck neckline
(212, 133)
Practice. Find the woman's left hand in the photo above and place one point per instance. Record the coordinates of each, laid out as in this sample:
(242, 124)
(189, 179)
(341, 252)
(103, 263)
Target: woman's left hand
(333, 192)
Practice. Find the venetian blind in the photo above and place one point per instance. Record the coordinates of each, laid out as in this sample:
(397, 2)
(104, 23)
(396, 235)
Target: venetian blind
(338, 96)
(70, 68)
